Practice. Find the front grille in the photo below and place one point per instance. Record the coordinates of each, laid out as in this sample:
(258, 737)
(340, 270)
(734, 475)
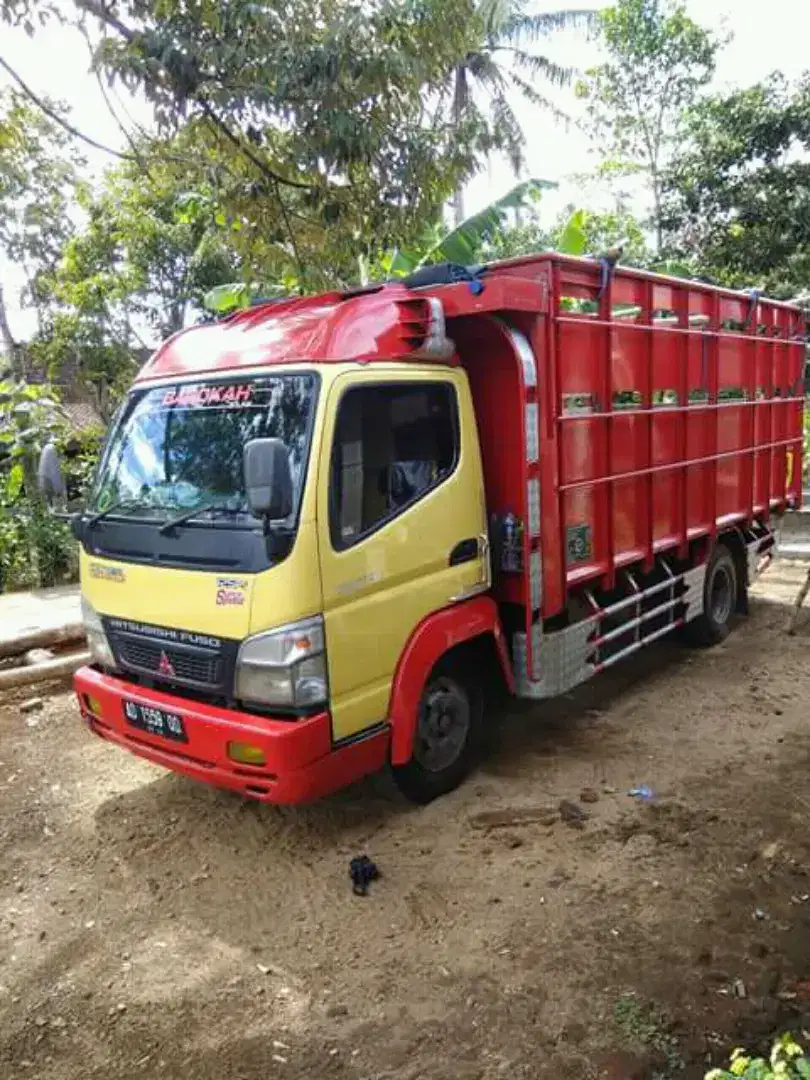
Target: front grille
(169, 663)
(154, 655)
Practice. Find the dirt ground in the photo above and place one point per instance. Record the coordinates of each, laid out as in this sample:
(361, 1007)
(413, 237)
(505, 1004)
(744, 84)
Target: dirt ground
(150, 927)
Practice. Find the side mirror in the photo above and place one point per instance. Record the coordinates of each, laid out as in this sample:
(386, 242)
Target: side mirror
(268, 478)
(50, 480)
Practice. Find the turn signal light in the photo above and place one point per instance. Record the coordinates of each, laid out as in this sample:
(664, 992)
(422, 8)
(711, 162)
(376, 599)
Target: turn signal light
(93, 705)
(246, 753)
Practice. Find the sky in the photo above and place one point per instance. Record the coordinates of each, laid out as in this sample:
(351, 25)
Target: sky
(766, 38)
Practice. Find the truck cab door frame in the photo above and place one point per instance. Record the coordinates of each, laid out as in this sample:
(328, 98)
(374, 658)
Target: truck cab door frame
(388, 569)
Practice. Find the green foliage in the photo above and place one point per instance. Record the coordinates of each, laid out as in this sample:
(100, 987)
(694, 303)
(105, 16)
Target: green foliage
(139, 266)
(316, 119)
(658, 62)
(587, 232)
(146, 254)
(576, 232)
(35, 548)
(737, 194)
(573, 240)
(464, 243)
(517, 239)
(787, 1061)
(236, 295)
(38, 176)
(26, 13)
(80, 454)
(29, 415)
(644, 1027)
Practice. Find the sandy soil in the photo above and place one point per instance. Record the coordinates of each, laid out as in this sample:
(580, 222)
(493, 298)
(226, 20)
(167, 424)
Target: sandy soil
(150, 927)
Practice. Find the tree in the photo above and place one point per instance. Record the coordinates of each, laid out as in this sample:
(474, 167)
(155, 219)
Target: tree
(502, 65)
(149, 249)
(737, 195)
(321, 110)
(135, 273)
(38, 177)
(320, 117)
(658, 62)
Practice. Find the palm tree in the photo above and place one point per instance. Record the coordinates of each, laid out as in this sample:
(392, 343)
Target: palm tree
(504, 65)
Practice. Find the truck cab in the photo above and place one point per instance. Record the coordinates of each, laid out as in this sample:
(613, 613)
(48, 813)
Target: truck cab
(260, 650)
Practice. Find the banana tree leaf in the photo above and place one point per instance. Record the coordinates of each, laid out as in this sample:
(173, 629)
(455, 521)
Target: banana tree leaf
(574, 240)
(230, 297)
(673, 267)
(402, 263)
(463, 244)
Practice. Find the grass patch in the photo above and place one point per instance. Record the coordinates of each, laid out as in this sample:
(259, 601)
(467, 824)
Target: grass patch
(643, 1026)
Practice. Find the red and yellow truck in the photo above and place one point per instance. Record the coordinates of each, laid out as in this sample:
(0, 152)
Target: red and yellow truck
(322, 527)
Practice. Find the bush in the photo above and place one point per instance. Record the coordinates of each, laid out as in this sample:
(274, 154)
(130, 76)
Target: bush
(36, 549)
(787, 1062)
(80, 453)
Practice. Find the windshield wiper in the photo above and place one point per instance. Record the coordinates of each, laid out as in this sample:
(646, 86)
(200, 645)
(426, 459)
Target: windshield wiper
(120, 504)
(187, 515)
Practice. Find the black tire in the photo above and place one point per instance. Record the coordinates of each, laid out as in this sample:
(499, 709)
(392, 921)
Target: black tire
(720, 593)
(448, 735)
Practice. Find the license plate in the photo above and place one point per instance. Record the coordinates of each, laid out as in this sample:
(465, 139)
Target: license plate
(156, 721)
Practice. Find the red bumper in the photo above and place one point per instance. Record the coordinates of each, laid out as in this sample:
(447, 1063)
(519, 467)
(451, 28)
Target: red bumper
(301, 763)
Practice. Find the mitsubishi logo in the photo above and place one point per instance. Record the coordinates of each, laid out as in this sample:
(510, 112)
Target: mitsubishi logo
(165, 666)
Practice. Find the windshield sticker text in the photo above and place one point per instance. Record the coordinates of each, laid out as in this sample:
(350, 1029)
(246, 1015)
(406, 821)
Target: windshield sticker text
(195, 397)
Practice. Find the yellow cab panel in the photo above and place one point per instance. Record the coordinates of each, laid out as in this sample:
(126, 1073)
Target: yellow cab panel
(401, 523)
(225, 604)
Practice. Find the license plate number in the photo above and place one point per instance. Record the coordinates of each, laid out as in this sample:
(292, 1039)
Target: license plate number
(156, 721)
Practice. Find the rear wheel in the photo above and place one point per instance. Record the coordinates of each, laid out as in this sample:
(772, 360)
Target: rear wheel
(447, 737)
(720, 591)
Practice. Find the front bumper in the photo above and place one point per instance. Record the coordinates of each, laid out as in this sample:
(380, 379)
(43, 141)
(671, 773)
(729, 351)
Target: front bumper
(301, 762)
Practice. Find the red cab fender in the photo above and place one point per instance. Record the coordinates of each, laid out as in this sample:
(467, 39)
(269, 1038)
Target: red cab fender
(431, 639)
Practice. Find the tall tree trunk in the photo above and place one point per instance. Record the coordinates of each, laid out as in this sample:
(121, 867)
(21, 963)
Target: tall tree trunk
(461, 101)
(657, 213)
(458, 206)
(10, 346)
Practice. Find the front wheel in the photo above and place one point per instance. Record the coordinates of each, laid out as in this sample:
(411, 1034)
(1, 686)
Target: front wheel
(447, 736)
(720, 590)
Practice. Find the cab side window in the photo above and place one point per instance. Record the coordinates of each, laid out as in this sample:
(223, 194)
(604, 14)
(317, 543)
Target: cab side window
(393, 443)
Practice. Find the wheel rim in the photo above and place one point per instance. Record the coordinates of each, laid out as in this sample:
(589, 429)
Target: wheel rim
(721, 599)
(443, 725)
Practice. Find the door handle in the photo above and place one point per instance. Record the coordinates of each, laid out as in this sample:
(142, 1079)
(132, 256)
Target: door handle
(469, 550)
(464, 551)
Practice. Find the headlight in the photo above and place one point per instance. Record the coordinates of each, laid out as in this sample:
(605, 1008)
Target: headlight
(96, 638)
(284, 667)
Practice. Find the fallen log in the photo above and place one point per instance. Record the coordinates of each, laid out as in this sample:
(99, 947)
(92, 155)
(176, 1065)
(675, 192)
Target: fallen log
(41, 638)
(51, 669)
(797, 604)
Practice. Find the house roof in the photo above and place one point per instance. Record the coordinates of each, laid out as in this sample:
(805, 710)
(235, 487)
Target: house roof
(81, 415)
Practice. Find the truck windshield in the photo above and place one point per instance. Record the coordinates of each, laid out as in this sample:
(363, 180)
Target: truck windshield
(180, 446)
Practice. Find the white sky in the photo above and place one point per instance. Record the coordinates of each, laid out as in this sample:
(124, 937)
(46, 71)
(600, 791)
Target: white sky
(766, 38)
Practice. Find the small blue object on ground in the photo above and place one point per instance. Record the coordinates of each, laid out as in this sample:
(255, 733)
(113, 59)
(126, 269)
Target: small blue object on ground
(642, 792)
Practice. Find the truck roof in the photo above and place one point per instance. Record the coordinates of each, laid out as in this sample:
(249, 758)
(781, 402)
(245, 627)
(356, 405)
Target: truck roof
(388, 322)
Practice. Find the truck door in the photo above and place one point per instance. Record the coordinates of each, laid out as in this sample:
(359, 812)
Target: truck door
(401, 525)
